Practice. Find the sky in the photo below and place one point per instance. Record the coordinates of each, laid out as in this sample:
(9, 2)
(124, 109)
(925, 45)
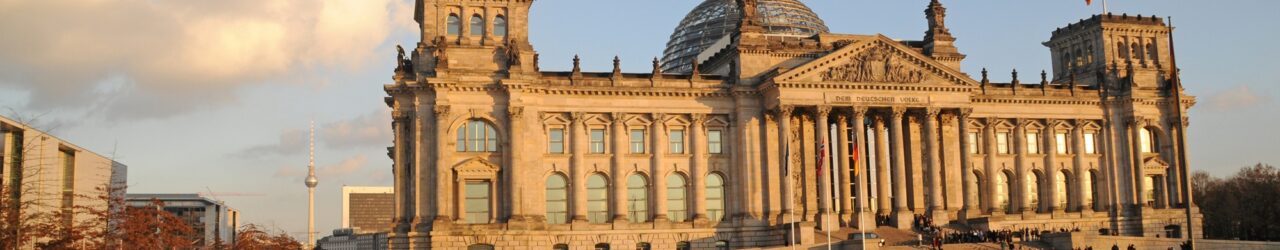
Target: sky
(199, 96)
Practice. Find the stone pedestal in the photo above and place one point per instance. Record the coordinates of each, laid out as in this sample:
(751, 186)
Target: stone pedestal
(903, 219)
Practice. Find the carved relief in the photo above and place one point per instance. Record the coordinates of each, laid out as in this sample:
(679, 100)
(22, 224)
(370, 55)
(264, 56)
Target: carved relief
(877, 64)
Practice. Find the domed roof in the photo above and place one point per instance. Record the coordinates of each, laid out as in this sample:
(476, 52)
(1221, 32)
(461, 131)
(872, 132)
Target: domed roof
(714, 19)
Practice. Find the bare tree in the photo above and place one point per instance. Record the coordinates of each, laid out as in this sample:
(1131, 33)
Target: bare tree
(1241, 207)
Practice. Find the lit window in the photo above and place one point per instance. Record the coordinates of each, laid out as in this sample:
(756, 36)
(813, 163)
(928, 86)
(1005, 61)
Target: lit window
(1147, 142)
(715, 197)
(637, 198)
(556, 142)
(477, 136)
(1002, 142)
(477, 25)
(477, 202)
(1089, 146)
(676, 205)
(597, 141)
(643, 246)
(715, 142)
(973, 143)
(597, 199)
(1061, 140)
(677, 141)
(1033, 143)
(637, 141)
(500, 26)
(455, 25)
(722, 245)
(557, 200)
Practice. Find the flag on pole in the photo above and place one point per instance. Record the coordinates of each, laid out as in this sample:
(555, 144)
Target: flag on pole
(1088, 2)
(822, 158)
(857, 153)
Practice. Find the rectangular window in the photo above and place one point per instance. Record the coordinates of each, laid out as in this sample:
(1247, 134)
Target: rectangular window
(637, 141)
(973, 143)
(1144, 139)
(597, 141)
(715, 142)
(1002, 142)
(677, 141)
(1033, 143)
(556, 143)
(1089, 146)
(478, 202)
(68, 183)
(1061, 140)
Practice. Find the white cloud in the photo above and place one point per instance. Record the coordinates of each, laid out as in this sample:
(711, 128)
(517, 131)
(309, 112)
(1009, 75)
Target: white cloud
(1238, 97)
(366, 131)
(176, 56)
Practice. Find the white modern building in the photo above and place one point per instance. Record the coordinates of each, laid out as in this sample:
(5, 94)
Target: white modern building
(212, 220)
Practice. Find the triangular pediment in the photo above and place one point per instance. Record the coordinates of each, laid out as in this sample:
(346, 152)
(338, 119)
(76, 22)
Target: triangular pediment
(1154, 165)
(876, 60)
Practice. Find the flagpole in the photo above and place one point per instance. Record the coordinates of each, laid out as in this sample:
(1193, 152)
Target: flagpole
(791, 201)
(830, 183)
(1105, 10)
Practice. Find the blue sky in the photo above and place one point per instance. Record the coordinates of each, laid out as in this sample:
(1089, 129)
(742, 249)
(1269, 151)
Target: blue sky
(216, 95)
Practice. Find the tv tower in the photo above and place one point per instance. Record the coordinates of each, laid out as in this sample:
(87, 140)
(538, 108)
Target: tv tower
(311, 190)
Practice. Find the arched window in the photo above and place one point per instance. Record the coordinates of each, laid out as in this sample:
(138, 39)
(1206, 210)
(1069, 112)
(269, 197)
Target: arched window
(1151, 51)
(560, 247)
(977, 190)
(477, 25)
(557, 199)
(1123, 49)
(643, 246)
(1062, 188)
(676, 203)
(500, 26)
(715, 197)
(637, 198)
(480, 247)
(1137, 51)
(722, 245)
(477, 136)
(597, 199)
(1033, 189)
(602, 246)
(455, 25)
(683, 245)
(1002, 190)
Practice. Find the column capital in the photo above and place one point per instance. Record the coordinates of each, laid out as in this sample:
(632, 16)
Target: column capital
(822, 110)
(786, 110)
(515, 111)
(948, 117)
(658, 117)
(898, 112)
(698, 119)
(617, 117)
(441, 110)
(1022, 123)
(842, 117)
(858, 111)
(401, 115)
(932, 111)
(578, 117)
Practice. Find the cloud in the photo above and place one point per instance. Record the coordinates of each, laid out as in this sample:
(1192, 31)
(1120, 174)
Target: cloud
(1238, 97)
(350, 166)
(365, 131)
(154, 59)
(370, 130)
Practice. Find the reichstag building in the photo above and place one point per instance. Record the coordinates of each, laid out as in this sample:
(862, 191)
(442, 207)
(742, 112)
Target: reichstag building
(759, 128)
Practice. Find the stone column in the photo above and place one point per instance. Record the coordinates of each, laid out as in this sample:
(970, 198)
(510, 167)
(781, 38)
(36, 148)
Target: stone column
(1163, 196)
(1051, 170)
(860, 179)
(902, 214)
(989, 166)
(577, 171)
(515, 116)
(1175, 165)
(403, 180)
(620, 149)
(824, 179)
(784, 137)
(967, 186)
(1077, 167)
(1135, 164)
(443, 175)
(883, 181)
(933, 165)
(657, 187)
(699, 167)
(1020, 158)
(421, 173)
(843, 186)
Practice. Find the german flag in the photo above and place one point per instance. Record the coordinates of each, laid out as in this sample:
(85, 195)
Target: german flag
(1088, 2)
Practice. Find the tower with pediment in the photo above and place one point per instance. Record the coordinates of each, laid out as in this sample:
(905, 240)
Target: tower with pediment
(722, 144)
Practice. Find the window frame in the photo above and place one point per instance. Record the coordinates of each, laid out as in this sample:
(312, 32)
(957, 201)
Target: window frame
(681, 201)
(472, 25)
(1090, 142)
(1062, 143)
(638, 147)
(676, 141)
(638, 198)
(555, 146)
(975, 145)
(500, 25)
(594, 215)
(597, 146)
(715, 144)
(471, 211)
(1033, 142)
(1003, 142)
(468, 140)
(561, 217)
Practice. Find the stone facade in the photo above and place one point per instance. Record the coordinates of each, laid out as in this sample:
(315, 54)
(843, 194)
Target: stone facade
(492, 152)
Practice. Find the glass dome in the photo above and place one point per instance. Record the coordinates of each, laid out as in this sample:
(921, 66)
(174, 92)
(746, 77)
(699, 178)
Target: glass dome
(714, 19)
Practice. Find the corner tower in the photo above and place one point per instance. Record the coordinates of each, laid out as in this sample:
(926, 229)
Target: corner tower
(939, 44)
(465, 35)
(1105, 46)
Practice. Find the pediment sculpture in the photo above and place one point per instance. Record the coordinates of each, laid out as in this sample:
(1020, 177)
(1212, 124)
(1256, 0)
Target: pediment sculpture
(878, 65)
